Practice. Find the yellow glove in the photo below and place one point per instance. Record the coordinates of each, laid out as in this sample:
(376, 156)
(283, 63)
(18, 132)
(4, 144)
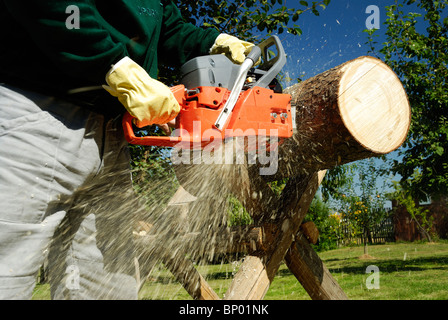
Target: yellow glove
(234, 48)
(144, 98)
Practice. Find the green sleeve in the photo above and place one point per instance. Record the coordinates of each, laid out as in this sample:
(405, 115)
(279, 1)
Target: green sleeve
(181, 41)
(87, 52)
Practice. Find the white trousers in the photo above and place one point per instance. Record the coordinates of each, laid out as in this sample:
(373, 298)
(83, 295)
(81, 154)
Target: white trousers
(65, 190)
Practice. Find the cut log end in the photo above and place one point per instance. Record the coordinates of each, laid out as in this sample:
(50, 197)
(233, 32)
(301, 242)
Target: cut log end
(351, 112)
(373, 105)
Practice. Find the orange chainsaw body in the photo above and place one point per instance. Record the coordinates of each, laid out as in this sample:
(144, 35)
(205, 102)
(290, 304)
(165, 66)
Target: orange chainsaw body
(258, 112)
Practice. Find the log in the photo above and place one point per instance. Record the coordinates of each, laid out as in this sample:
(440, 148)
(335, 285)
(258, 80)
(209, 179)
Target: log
(354, 111)
(309, 269)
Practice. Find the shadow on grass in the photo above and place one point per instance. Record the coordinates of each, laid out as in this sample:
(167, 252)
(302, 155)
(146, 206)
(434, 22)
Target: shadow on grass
(386, 266)
(389, 266)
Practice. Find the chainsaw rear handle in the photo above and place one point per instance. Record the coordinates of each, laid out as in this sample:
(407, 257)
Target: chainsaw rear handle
(160, 141)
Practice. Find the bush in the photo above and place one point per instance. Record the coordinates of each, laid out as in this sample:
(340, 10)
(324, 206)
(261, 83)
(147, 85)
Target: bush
(238, 216)
(327, 224)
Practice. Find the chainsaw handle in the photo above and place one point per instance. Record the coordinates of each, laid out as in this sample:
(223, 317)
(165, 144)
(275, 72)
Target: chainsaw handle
(178, 92)
(273, 65)
(160, 141)
(254, 54)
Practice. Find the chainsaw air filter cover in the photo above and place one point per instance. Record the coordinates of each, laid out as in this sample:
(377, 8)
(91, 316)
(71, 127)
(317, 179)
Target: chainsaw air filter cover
(209, 71)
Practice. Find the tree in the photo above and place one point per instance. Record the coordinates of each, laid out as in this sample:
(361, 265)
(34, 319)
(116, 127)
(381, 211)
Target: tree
(360, 200)
(416, 49)
(421, 216)
(327, 224)
(251, 20)
(246, 19)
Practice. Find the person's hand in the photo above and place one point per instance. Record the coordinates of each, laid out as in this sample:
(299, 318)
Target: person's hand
(166, 127)
(234, 48)
(146, 99)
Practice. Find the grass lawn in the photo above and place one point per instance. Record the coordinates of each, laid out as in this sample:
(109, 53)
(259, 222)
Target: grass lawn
(407, 271)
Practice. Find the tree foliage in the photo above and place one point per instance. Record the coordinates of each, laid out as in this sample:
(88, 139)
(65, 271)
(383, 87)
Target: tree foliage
(327, 224)
(360, 201)
(419, 214)
(251, 20)
(246, 19)
(416, 49)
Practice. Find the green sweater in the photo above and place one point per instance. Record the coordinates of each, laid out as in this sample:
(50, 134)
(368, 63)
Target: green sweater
(39, 51)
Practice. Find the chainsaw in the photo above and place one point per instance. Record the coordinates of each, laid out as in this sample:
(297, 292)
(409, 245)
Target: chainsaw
(221, 100)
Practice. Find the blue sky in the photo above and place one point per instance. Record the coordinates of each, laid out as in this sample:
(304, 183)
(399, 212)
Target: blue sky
(332, 38)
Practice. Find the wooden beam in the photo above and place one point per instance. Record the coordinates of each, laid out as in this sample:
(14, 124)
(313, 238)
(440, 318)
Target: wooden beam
(152, 249)
(187, 275)
(310, 231)
(309, 269)
(258, 270)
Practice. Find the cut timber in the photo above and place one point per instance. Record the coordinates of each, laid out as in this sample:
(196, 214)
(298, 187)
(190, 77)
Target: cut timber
(185, 272)
(351, 112)
(309, 269)
(310, 231)
(255, 275)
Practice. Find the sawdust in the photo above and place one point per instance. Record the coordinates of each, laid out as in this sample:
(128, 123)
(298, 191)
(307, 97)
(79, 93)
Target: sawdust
(192, 222)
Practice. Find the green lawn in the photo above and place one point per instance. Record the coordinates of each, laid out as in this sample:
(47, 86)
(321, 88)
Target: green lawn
(408, 271)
